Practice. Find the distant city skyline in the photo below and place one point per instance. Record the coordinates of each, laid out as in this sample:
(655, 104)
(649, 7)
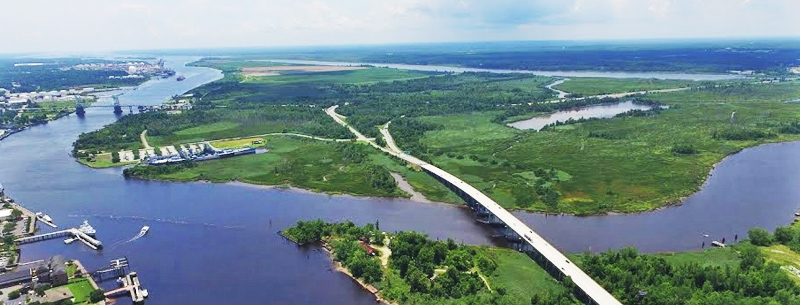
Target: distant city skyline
(95, 25)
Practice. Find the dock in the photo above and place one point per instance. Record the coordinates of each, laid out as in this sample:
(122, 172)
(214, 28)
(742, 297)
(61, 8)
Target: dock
(41, 217)
(75, 233)
(131, 286)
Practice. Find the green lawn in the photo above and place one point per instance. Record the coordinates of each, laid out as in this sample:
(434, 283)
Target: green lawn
(595, 86)
(80, 288)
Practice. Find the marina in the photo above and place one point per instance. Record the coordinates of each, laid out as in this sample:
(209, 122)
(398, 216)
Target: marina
(83, 234)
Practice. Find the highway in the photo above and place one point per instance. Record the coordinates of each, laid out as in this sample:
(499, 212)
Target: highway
(596, 293)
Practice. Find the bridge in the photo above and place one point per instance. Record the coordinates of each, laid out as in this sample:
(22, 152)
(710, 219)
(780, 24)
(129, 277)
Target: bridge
(487, 211)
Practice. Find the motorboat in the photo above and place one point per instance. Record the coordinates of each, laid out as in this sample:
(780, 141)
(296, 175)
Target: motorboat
(86, 228)
(144, 230)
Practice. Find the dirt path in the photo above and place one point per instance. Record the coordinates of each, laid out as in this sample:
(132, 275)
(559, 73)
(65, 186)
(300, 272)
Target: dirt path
(385, 251)
(143, 137)
(406, 187)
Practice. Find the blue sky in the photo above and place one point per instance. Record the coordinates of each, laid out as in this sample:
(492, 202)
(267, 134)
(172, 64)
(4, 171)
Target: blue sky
(100, 25)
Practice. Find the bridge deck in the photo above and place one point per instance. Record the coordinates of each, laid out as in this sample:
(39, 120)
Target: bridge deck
(596, 293)
(593, 290)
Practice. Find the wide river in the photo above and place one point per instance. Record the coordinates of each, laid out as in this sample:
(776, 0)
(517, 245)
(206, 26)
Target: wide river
(604, 74)
(217, 243)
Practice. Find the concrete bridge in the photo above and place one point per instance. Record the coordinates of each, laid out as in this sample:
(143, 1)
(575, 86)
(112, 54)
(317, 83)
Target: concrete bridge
(487, 211)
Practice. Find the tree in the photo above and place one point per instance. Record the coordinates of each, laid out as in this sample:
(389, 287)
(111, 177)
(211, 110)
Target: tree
(115, 157)
(16, 214)
(784, 235)
(97, 295)
(751, 258)
(759, 237)
(14, 295)
(418, 281)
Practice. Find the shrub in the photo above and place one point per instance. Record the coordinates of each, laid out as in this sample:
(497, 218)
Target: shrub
(759, 237)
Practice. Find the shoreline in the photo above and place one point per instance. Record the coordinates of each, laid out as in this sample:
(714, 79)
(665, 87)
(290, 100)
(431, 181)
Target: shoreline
(663, 206)
(338, 267)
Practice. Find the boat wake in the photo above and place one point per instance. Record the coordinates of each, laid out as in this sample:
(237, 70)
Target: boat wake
(159, 220)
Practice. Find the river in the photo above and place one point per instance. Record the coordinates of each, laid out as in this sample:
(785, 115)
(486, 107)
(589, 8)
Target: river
(603, 74)
(217, 243)
(588, 112)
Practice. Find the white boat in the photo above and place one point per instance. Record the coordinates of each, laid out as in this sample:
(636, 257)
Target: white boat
(47, 218)
(69, 240)
(86, 228)
(144, 230)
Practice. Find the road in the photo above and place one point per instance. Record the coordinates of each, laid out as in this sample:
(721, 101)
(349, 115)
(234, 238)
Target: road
(585, 283)
(388, 138)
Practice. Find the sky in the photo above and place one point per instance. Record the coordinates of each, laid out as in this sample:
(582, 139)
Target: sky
(103, 25)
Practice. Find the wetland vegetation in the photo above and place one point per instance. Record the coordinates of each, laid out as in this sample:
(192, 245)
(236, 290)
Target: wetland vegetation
(634, 162)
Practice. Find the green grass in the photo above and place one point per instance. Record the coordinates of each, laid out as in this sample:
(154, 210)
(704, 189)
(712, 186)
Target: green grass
(209, 128)
(709, 257)
(637, 172)
(80, 288)
(519, 275)
(304, 163)
(365, 76)
(595, 86)
(237, 143)
(71, 269)
(103, 161)
(211, 133)
(783, 256)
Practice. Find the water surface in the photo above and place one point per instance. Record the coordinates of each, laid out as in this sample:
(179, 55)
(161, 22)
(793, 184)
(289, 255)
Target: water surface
(434, 68)
(588, 112)
(217, 243)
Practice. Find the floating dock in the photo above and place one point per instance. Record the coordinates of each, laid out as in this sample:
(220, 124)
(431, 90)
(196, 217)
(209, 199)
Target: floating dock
(132, 286)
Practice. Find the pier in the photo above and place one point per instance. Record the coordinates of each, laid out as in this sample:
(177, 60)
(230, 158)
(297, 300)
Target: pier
(75, 233)
(131, 286)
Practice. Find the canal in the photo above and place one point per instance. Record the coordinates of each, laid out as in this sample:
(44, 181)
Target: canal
(217, 243)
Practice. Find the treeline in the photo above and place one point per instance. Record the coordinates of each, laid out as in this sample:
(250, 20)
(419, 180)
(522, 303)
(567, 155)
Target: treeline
(128, 128)
(407, 133)
(647, 279)
(741, 134)
(411, 276)
(152, 172)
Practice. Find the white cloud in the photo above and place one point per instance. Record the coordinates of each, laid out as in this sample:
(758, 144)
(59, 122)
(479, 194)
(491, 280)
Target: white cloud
(44, 25)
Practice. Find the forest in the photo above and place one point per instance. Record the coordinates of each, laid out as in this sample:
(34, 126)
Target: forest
(419, 270)
(717, 56)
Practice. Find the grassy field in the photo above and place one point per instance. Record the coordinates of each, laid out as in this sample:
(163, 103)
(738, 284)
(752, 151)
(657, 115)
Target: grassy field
(304, 163)
(519, 275)
(788, 259)
(238, 143)
(80, 288)
(103, 161)
(595, 86)
(634, 171)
